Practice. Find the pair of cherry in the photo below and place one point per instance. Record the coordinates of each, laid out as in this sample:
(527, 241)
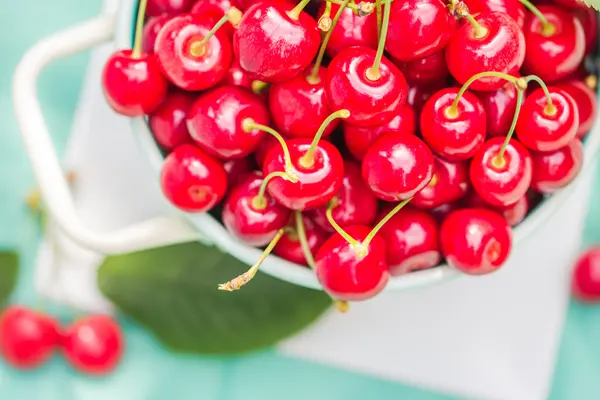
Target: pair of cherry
(92, 344)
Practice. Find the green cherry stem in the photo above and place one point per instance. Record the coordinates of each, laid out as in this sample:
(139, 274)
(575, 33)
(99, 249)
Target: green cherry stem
(325, 22)
(451, 112)
(373, 72)
(329, 213)
(550, 107)
(378, 11)
(295, 12)
(480, 31)
(139, 28)
(259, 201)
(548, 28)
(313, 77)
(499, 161)
(308, 159)
(383, 221)
(232, 15)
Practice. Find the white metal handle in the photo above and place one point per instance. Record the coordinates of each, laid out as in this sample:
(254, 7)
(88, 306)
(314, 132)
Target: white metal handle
(46, 165)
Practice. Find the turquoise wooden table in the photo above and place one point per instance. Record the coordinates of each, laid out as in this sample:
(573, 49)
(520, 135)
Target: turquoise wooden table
(148, 371)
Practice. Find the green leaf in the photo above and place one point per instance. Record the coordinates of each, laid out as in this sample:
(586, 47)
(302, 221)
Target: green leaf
(595, 4)
(9, 271)
(173, 292)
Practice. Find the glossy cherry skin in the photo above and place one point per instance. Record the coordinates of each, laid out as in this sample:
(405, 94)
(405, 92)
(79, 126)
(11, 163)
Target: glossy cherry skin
(192, 180)
(316, 185)
(133, 86)
(299, 107)
(344, 275)
(585, 281)
(586, 104)
(453, 137)
(94, 344)
(589, 22)
(371, 103)
(539, 131)
(214, 9)
(238, 170)
(171, 7)
(418, 94)
(351, 30)
(424, 70)
(441, 212)
(427, 23)
(396, 167)
(475, 241)
(216, 121)
(513, 8)
(501, 182)
(236, 76)
(500, 106)
(244, 4)
(187, 67)
(514, 214)
(561, 51)
(168, 121)
(265, 145)
(27, 338)
(356, 205)
(359, 139)
(271, 45)
(449, 183)
(502, 49)
(556, 169)
(256, 226)
(150, 32)
(289, 247)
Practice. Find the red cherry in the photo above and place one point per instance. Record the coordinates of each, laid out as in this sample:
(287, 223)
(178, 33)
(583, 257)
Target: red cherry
(514, 214)
(214, 10)
(192, 180)
(185, 60)
(556, 169)
(396, 167)
(168, 121)
(350, 30)
(316, 184)
(244, 4)
(573, 4)
(425, 70)
(356, 205)
(587, 17)
(586, 104)
(238, 170)
(289, 247)
(150, 32)
(475, 241)
(265, 145)
(370, 102)
(94, 344)
(411, 240)
(585, 283)
(133, 86)
(501, 181)
(427, 23)
(248, 219)
(171, 7)
(359, 139)
(346, 276)
(554, 51)
(453, 135)
(216, 121)
(513, 8)
(500, 48)
(418, 94)
(441, 212)
(449, 183)
(272, 44)
(500, 106)
(299, 107)
(542, 129)
(236, 76)
(27, 338)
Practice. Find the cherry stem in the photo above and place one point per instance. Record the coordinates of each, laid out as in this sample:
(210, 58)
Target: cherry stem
(550, 107)
(139, 28)
(452, 111)
(295, 12)
(241, 280)
(480, 31)
(248, 125)
(353, 242)
(232, 15)
(325, 23)
(313, 78)
(258, 86)
(378, 11)
(308, 159)
(547, 28)
(373, 72)
(352, 6)
(259, 201)
(499, 161)
(383, 221)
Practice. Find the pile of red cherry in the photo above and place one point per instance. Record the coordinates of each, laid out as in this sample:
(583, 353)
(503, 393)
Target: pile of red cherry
(362, 139)
(28, 338)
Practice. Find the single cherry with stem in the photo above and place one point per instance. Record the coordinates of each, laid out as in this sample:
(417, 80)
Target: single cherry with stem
(168, 121)
(132, 82)
(251, 214)
(585, 280)
(586, 104)
(450, 182)
(556, 169)
(192, 180)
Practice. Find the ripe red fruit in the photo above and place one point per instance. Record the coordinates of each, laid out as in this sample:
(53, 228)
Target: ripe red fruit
(27, 338)
(424, 70)
(589, 22)
(215, 10)
(449, 183)
(168, 121)
(150, 32)
(514, 214)
(500, 106)
(289, 247)
(513, 8)
(475, 241)
(585, 282)
(346, 276)
(585, 101)
(171, 7)
(556, 169)
(93, 344)
(193, 180)
(238, 170)
(236, 76)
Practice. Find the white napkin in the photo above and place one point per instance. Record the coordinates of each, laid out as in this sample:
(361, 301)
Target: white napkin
(492, 337)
